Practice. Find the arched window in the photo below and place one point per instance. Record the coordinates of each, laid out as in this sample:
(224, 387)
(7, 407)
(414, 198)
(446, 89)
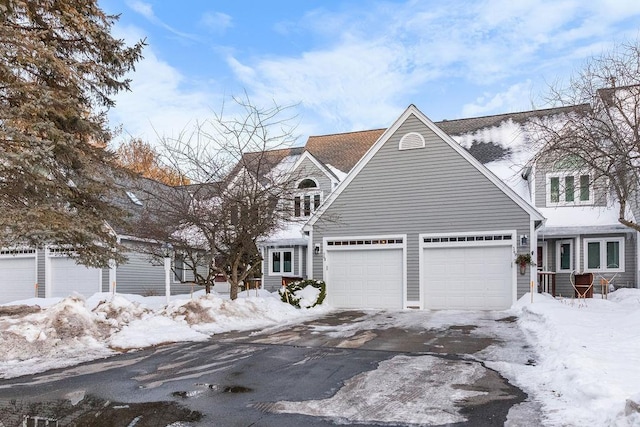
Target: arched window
(307, 199)
(307, 183)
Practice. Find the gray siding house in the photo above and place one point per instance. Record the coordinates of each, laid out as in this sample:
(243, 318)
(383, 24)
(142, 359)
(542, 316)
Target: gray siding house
(433, 215)
(50, 272)
(420, 223)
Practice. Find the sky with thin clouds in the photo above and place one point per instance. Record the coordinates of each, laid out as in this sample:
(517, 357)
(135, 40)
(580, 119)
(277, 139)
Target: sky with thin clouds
(355, 65)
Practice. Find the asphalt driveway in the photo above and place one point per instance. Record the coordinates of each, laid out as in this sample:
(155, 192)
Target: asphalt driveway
(350, 367)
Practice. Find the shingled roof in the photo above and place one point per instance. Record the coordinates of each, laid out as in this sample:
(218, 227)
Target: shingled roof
(470, 125)
(342, 150)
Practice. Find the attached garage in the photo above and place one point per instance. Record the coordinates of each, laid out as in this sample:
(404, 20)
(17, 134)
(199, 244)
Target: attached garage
(365, 273)
(66, 277)
(18, 277)
(468, 272)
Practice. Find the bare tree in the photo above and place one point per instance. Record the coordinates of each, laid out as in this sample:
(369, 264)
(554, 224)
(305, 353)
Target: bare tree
(240, 185)
(601, 135)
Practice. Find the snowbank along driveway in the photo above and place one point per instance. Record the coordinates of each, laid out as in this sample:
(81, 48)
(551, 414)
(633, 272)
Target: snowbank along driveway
(349, 367)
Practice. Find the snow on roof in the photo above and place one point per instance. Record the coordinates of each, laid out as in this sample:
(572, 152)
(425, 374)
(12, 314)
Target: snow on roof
(337, 172)
(511, 175)
(571, 220)
(504, 149)
(289, 234)
(284, 166)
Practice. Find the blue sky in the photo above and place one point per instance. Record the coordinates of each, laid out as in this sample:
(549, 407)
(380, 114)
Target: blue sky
(353, 65)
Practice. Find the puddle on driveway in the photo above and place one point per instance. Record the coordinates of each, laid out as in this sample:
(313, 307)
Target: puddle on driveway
(95, 412)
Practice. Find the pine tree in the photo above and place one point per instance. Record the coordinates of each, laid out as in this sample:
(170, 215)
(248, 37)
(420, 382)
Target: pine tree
(59, 69)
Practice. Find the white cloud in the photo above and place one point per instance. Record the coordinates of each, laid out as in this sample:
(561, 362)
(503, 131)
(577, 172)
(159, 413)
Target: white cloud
(146, 10)
(373, 59)
(360, 81)
(516, 98)
(162, 101)
(217, 22)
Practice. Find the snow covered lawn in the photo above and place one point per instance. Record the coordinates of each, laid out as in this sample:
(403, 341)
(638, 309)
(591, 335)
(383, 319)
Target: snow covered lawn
(588, 367)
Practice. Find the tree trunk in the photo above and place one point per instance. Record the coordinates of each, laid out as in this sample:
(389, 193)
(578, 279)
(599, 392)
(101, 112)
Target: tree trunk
(233, 289)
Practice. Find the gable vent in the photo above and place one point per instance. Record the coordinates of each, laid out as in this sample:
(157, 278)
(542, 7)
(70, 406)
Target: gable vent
(411, 141)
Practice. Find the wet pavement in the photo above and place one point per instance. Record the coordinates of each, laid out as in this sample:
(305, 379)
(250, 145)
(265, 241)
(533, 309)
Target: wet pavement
(242, 379)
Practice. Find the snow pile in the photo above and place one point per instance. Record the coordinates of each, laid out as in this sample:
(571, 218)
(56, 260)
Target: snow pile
(119, 311)
(71, 330)
(66, 332)
(588, 367)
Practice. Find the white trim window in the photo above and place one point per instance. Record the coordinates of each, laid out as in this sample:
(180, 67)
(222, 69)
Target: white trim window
(179, 269)
(564, 256)
(565, 189)
(304, 204)
(281, 261)
(604, 254)
(308, 199)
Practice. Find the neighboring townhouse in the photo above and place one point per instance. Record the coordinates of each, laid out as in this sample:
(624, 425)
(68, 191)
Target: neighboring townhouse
(318, 168)
(50, 272)
(433, 215)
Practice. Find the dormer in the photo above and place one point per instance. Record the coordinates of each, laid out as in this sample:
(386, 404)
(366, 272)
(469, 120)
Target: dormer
(567, 182)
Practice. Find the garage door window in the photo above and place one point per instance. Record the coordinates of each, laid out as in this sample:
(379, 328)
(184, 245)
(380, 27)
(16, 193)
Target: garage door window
(281, 262)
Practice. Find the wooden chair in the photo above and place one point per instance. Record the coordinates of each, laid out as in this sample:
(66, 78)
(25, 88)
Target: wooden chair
(606, 282)
(583, 285)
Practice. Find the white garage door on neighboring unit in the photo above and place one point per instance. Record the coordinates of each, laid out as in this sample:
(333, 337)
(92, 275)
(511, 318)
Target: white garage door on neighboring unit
(471, 272)
(67, 277)
(17, 275)
(365, 273)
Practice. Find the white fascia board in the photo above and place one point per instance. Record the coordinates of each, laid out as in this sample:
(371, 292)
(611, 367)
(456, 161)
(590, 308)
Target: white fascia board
(317, 163)
(413, 110)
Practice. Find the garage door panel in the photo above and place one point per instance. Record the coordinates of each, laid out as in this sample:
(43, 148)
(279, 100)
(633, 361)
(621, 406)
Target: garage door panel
(367, 278)
(18, 278)
(68, 277)
(467, 277)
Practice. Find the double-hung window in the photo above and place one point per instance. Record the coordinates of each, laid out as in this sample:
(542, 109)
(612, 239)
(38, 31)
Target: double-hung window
(281, 261)
(568, 189)
(604, 254)
(564, 255)
(179, 269)
(308, 199)
(306, 204)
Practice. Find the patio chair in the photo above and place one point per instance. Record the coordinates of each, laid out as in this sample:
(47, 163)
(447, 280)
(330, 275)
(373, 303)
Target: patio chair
(607, 282)
(583, 285)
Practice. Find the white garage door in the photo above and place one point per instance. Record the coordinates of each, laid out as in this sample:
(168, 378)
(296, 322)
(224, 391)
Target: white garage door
(468, 278)
(365, 277)
(17, 278)
(68, 277)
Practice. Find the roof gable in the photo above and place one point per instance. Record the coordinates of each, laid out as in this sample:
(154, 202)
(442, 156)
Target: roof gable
(388, 133)
(321, 167)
